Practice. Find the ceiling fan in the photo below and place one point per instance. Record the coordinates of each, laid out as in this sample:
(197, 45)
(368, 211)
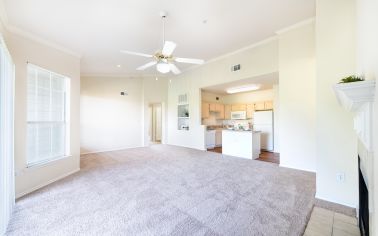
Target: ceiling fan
(164, 60)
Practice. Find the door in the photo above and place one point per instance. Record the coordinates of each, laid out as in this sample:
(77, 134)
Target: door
(155, 129)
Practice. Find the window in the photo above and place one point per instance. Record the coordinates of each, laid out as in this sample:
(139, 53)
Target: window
(47, 115)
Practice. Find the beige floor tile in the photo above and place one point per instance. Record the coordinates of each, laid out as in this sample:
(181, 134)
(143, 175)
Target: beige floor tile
(339, 232)
(323, 212)
(325, 219)
(310, 232)
(348, 228)
(345, 218)
(319, 227)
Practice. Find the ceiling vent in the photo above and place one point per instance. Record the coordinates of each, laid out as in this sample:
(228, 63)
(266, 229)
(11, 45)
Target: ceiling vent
(235, 67)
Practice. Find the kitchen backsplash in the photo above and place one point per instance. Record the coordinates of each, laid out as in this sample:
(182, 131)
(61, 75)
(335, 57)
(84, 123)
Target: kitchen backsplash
(237, 122)
(212, 121)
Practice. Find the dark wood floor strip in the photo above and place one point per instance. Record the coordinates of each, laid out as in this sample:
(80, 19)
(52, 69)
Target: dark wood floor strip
(264, 156)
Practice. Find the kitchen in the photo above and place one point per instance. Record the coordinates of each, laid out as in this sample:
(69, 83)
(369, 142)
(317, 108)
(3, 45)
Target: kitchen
(239, 119)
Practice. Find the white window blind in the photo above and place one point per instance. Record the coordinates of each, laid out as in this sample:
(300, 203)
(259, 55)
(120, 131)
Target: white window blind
(47, 115)
(7, 196)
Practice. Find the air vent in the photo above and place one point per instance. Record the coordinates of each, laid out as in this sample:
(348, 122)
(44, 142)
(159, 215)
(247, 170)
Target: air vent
(183, 99)
(235, 68)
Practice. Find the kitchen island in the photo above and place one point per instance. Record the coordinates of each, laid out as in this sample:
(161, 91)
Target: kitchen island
(239, 143)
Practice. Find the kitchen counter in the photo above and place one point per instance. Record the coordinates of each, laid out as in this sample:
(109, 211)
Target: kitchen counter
(239, 143)
(246, 131)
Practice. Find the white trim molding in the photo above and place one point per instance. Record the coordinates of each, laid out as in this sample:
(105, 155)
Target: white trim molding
(18, 195)
(358, 97)
(295, 26)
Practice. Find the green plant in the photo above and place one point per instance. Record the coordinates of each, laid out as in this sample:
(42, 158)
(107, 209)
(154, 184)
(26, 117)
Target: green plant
(351, 79)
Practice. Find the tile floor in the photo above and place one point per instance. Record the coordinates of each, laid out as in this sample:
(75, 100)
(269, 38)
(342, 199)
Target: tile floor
(324, 222)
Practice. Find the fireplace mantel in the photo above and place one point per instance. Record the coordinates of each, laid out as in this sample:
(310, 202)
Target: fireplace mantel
(358, 97)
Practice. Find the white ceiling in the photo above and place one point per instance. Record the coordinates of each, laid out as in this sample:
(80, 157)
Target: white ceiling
(98, 29)
(266, 81)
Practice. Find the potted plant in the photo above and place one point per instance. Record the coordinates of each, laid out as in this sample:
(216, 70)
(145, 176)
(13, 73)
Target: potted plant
(351, 79)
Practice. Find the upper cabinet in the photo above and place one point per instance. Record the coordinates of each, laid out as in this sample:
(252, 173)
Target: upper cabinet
(268, 105)
(261, 106)
(223, 111)
(227, 112)
(212, 107)
(220, 110)
(250, 110)
(205, 110)
(238, 107)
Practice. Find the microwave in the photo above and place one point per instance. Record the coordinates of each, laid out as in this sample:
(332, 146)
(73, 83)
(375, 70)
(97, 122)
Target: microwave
(238, 115)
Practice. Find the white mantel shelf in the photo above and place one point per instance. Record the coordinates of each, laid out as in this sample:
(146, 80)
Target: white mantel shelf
(353, 96)
(358, 97)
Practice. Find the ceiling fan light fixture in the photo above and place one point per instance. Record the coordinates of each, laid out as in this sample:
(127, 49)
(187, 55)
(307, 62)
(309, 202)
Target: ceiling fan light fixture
(163, 67)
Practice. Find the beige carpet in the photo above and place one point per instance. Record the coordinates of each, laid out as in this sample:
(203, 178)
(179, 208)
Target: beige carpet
(166, 190)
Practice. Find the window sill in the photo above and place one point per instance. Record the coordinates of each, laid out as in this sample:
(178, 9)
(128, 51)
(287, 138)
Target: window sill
(47, 162)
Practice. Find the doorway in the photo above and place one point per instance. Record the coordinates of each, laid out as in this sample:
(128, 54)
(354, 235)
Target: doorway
(155, 130)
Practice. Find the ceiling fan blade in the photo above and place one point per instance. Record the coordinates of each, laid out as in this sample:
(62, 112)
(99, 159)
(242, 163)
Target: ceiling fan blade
(189, 60)
(168, 48)
(174, 69)
(145, 66)
(136, 53)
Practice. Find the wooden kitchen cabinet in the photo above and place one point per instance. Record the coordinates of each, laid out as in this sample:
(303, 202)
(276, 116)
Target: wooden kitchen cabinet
(213, 107)
(268, 105)
(227, 112)
(238, 107)
(250, 110)
(220, 110)
(259, 106)
(205, 110)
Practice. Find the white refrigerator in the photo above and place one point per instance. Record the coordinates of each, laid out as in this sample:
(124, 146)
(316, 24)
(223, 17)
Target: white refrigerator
(263, 121)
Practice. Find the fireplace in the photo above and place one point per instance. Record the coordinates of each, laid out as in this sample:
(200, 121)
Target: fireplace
(363, 213)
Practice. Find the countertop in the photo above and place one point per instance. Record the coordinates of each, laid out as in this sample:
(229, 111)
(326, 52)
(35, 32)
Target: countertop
(243, 131)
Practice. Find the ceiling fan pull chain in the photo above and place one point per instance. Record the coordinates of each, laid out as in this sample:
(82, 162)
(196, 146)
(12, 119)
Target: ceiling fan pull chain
(163, 30)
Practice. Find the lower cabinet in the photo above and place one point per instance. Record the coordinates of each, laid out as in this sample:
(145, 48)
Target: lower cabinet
(210, 139)
(218, 138)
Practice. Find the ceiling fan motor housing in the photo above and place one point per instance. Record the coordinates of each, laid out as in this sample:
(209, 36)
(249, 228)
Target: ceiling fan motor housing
(163, 14)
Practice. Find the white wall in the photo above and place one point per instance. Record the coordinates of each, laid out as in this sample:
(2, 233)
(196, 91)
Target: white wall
(249, 97)
(24, 50)
(297, 98)
(336, 140)
(259, 60)
(211, 97)
(110, 121)
(367, 65)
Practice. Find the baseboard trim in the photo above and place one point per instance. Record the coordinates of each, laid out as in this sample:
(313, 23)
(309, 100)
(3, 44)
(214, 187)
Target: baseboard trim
(336, 207)
(18, 195)
(296, 168)
(110, 150)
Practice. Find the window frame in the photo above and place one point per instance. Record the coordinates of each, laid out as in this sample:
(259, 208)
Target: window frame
(65, 122)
